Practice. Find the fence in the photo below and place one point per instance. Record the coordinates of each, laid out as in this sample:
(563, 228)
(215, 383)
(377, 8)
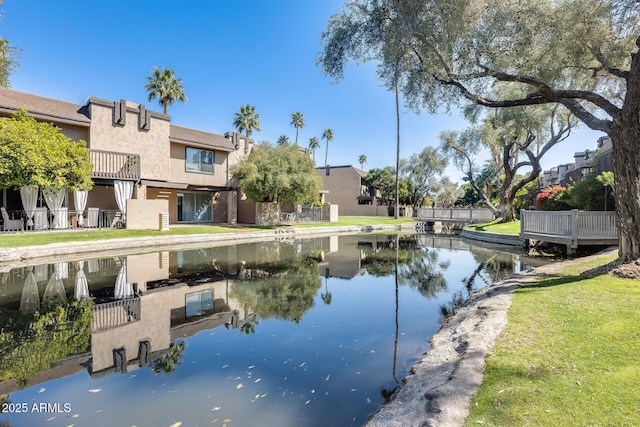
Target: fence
(469, 215)
(306, 214)
(61, 219)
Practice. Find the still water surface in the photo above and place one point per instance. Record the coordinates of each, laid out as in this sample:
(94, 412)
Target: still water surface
(311, 332)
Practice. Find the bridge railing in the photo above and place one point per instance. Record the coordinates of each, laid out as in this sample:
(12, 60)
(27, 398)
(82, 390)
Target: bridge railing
(455, 214)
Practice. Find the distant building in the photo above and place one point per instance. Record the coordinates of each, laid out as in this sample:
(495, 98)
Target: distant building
(585, 162)
(346, 187)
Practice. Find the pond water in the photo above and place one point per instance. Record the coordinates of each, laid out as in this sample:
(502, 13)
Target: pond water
(310, 332)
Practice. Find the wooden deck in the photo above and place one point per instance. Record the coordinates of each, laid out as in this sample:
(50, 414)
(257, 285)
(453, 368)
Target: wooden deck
(571, 228)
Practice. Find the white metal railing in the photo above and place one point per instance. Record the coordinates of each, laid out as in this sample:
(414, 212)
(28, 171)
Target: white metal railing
(456, 214)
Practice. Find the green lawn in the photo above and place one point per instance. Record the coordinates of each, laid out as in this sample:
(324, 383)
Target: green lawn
(512, 227)
(567, 357)
(14, 240)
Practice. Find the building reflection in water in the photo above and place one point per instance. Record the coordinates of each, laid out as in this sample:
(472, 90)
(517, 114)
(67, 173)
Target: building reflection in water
(144, 303)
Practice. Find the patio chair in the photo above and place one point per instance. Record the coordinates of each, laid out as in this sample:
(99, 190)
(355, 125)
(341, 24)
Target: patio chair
(10, 224)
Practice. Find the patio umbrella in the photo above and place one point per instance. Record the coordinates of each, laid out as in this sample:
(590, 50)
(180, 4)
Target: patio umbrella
(55, 291)
(80, 201)
(30, 302)
(29, 196)
(82, 287)
(123, 289)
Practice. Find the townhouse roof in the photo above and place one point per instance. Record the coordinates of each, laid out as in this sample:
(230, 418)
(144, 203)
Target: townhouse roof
(360, 172)
(42, 108)
(199, 138)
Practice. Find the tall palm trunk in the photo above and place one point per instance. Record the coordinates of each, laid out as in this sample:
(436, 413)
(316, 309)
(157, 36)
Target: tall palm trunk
(397, 152)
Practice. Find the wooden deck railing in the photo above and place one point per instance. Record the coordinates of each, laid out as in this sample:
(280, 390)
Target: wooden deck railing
(117, 313)
(569, 227)
(109, 164)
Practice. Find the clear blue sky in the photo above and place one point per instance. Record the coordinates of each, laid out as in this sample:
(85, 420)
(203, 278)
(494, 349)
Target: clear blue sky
(228, 53)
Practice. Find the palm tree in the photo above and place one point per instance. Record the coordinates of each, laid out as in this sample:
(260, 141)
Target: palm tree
(313, 144)
(246, 120)
(164, 85)
(328, 135)
(283, 140)
(362, 159)
(297, 121)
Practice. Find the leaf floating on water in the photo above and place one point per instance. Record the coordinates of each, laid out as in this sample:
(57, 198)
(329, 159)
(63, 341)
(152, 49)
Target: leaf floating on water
(225, 366)
(217, 408)
(228, 420)
(263, 395)
(239, 386)
(307, 402)
(178, 424)
(313, 391)
(257, 381)
(95, 390)
(41, 390)
(251, 367)
(50, 419)
(327, 379)
(354, 389)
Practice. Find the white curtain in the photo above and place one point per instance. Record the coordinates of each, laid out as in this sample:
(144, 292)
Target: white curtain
(123, 191)
(29, 196)
(30, 302)
(80, 200)
(123, 289)
(55, 199)
(55, 291)
(82, 287)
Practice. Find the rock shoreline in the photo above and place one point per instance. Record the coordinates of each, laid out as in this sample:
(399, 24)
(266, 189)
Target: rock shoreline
(439, 389)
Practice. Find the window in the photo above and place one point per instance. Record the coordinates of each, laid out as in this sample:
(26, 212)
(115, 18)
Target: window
(199, 303)
(194, 207)
(199, 160)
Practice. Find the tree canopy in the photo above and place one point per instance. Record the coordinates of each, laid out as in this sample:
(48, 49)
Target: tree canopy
(419, 170)
(278, 174)
(38, 154)
(578, 53)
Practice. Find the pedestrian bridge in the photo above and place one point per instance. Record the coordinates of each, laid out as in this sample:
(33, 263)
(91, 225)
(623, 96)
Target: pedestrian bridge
(427, 217)
(571, 228)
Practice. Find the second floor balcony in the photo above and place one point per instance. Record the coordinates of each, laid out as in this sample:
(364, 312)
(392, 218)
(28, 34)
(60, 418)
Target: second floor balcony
(113, 165)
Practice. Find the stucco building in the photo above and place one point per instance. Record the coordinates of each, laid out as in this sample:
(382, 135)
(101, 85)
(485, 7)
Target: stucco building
(186, 168)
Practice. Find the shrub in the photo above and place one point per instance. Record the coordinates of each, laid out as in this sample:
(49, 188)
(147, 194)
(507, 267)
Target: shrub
(553, 199)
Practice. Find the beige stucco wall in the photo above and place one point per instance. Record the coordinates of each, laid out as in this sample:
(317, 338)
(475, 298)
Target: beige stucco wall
(344, 186)
(219, 178)
(152, 145)
(145, 214)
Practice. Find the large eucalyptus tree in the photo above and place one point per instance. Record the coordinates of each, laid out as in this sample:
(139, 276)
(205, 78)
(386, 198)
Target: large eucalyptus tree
(582, 54)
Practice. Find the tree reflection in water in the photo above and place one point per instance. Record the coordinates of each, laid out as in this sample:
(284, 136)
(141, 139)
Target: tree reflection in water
(167, 362)
(30, 343)
(279, 289)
